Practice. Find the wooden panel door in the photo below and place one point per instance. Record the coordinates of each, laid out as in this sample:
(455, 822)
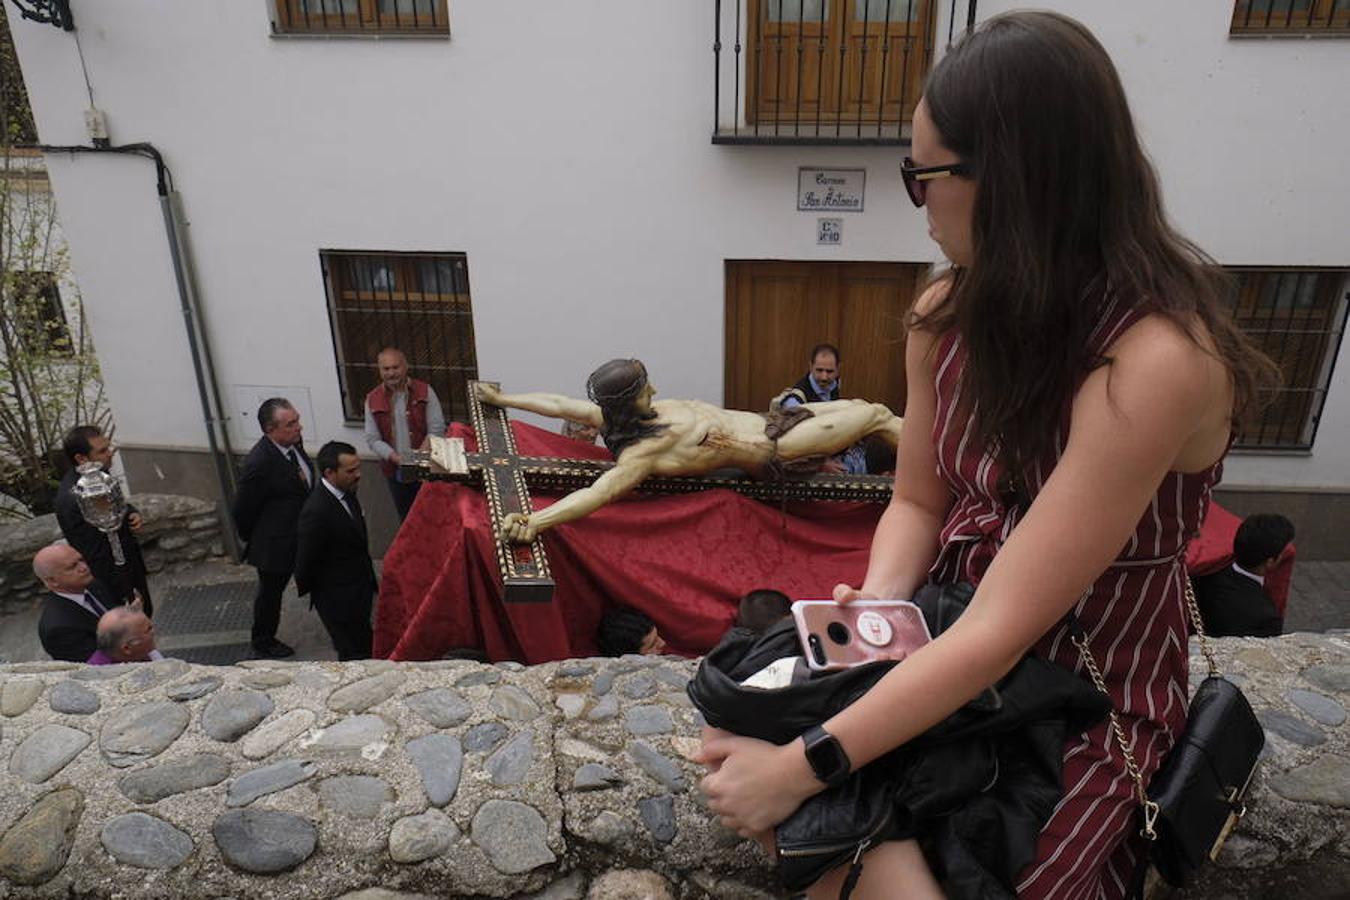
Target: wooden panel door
(792, 70)
(832, 61)
(874, 299)
(886, 58)
(776, 311)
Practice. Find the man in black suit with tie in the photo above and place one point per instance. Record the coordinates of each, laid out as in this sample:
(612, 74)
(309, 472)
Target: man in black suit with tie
(1233, 601)
(333, 561)
(68, 626)
(88, 443)
(275, 480)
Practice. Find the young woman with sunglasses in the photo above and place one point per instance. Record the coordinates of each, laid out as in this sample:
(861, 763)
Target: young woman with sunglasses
(1074, 382)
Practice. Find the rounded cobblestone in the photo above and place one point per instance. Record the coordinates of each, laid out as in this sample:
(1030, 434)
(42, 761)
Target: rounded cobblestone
(264, 841)
(73, 698)
(133, 734)
(514, 836)
(421, 837)
(46, 751)
(138, 839)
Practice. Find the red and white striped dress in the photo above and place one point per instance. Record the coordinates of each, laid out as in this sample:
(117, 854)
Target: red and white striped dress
(1136, 622)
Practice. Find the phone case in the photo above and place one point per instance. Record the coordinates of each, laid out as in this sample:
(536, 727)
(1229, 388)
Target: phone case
(839, 637)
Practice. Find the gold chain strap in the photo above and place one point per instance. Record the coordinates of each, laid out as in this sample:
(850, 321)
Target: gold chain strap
(1080, 641)
(1199, 626)
(1150, 808)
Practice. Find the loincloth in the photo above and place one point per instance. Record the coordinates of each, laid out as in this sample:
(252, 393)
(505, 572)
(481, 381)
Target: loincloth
(778, 423)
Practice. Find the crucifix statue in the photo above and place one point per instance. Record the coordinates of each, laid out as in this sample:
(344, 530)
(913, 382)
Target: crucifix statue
(667, 446)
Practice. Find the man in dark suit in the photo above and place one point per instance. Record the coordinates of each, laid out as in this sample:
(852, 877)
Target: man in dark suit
(88, 443)
(275, 480)
(68, 626)
(333, 561)
(1233, 601)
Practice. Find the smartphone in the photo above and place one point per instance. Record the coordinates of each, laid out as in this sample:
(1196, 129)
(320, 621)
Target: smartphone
(839, 637)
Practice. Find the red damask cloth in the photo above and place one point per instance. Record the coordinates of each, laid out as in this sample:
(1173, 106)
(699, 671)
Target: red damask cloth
(683, 560)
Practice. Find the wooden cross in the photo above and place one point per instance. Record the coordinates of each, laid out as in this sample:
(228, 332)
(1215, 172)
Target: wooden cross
(505, 477)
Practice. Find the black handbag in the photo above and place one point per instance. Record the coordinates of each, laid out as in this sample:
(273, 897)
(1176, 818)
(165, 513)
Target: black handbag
(834, 828)
(1016, 726)
(1197, 796)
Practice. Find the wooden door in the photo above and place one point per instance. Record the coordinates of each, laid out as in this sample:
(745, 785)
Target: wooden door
(886, 58)
(776, 311)
(836, 61)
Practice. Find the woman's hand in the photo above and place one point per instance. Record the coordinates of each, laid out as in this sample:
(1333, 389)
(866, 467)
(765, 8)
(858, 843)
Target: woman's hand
(754, 785)
(844, 595)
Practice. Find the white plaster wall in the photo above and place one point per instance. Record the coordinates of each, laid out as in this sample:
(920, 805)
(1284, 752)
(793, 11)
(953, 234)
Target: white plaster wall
(565, 148)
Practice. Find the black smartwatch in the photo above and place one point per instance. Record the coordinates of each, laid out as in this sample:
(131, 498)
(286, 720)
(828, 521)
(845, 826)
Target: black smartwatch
(828, 760)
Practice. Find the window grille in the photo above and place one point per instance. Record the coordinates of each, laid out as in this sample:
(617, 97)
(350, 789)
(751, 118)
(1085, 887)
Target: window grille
(417, 302)
(1297, 318)
(361, 17)
(819, 71)
(1302, 17)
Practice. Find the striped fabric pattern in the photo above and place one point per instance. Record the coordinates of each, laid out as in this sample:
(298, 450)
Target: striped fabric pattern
(1135, 618)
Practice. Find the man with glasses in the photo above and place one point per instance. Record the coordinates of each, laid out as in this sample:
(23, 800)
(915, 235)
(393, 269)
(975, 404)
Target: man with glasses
(275, 480)
(88, 443)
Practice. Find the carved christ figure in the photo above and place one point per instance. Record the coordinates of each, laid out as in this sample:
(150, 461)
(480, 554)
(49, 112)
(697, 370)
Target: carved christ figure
(685, 437)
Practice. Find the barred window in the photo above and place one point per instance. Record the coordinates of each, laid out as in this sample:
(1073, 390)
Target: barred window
(842, 62)
(361, 17)
(417, 302)
(1273, 17)
(1297, 318)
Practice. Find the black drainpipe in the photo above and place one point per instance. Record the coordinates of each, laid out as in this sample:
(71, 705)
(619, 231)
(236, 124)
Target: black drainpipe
(208, 390)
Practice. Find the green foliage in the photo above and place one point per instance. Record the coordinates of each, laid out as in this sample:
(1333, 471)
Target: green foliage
(16, 119)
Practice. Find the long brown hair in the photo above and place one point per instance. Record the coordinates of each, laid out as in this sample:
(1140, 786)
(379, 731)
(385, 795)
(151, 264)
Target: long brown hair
(614, 387)
(1067, 209)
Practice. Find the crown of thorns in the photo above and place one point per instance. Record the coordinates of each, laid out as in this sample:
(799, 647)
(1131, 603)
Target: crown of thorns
(601, 397)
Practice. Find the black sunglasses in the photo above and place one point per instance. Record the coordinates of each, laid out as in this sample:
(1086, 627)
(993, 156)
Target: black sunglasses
(916, 177)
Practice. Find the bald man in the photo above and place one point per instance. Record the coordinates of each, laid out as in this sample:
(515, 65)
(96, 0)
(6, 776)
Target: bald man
(75, 602)
(125, 634)
(400, 413)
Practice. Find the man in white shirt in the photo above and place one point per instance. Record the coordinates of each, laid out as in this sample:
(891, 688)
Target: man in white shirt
(274, 481)
(1233, 602)
(332, 562)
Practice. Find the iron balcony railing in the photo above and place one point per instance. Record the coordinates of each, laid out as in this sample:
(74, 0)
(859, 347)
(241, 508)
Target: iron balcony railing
(820, 71)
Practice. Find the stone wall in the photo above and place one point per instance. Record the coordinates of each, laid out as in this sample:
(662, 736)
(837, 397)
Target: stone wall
(177, 532)
(452, 778)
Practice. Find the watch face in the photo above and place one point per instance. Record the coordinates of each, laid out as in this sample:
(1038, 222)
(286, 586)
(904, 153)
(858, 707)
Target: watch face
(827, 758)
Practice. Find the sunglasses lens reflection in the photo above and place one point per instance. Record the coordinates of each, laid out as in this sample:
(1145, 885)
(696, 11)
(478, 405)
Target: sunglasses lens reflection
(913, 186)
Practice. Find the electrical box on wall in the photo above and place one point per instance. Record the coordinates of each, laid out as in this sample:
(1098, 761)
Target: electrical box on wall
(96, 126)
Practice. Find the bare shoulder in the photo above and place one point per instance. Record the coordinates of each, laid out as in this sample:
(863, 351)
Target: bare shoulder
(1156, 352)
(932, 296)
(1161, 382)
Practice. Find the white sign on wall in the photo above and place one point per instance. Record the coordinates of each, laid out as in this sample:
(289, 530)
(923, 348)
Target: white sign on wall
(830, 190)
(829, 231)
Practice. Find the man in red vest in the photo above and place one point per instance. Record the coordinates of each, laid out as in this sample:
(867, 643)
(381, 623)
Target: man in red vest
(400, 413)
